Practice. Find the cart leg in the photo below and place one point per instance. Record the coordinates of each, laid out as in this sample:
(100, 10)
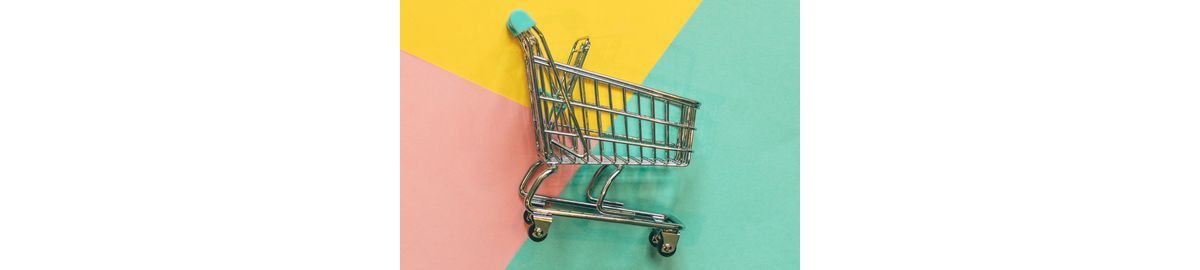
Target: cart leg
(528, 215)
(592, 186)
(540, 227)
(528, 196)
(525, 179)
(604, 192)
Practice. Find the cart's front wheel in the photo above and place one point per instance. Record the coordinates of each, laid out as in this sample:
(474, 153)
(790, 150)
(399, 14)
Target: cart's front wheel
(540, 227)
(528, 217)
(536, 233)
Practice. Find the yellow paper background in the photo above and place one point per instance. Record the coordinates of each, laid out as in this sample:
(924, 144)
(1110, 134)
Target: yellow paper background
(469, 38)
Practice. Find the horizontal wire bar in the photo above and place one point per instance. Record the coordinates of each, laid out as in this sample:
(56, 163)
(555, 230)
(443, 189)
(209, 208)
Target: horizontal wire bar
(616, 141)
(638, 116)
(600, 77)
(667, 143)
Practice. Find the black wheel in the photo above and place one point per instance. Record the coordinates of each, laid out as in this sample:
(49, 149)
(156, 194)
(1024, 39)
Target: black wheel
(535, 234)
(528, 217)
(666, 250)
(656, 238)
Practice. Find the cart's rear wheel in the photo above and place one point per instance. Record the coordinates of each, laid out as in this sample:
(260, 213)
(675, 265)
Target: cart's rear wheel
(668, 241)
(536, 234)
(666, 250)
(528, 217)
(656, 238)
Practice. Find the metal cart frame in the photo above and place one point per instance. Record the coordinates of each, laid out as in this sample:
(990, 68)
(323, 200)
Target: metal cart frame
(585, 118)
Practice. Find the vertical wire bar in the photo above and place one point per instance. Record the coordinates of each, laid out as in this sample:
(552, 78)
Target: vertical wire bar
(667, 134)
(547, 152)
(611, 101)
(582, 89)
(586, 128)
(624, 99)
(547, 107)
(557, 117)
(682, 119)
(692, 119)
(566, 97)
(578, 85)
(679, 132)
(683, 110)
(613, 122)
(599, 128)
(552, 117)
(641, 137)
(686, 137)
(531, 83)
(666, 137)
(636, 125)
(641, 132)
(654, 133)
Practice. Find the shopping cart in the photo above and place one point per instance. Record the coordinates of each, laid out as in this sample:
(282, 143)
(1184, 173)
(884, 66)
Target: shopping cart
(584, 118)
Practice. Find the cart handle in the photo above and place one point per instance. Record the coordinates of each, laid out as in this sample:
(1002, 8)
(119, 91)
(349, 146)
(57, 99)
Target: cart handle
(519, 21)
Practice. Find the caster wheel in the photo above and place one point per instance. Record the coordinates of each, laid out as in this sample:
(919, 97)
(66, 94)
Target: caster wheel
(528, 217)
(667, 242)
(536, 234)
(656, 238)
(666, 250)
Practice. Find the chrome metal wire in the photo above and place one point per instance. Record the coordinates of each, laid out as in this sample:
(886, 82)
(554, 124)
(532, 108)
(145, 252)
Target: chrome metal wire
(583, 117)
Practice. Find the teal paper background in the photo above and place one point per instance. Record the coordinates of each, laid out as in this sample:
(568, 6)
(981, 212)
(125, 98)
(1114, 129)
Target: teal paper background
(739, 199)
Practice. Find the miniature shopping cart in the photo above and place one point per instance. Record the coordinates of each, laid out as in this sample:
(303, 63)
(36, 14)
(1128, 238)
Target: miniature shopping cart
(584, 118)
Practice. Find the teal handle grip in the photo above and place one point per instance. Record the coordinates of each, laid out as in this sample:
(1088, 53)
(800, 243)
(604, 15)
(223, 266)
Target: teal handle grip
(519, 22)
